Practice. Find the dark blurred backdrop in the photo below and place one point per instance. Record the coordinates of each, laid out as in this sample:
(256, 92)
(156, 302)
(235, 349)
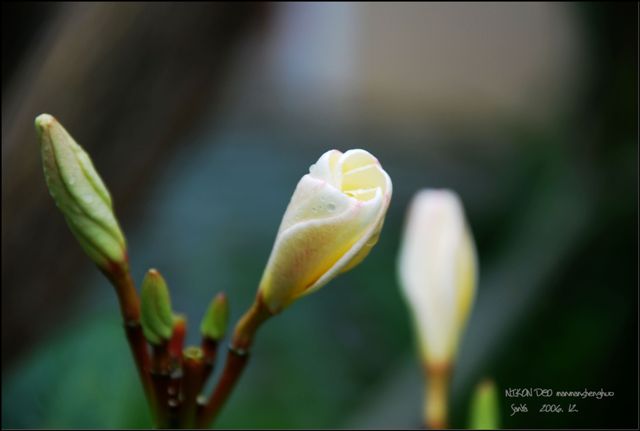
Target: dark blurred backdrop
(201, 118)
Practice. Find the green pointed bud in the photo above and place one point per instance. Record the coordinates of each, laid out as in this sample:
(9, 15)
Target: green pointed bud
(485, 409)
(214, 323)
(157, 318)
(80, 194)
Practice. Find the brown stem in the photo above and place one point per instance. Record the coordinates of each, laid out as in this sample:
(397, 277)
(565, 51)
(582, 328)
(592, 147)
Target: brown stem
(175, 347)
(193, 381)
(236, 360)
(210, 351)
(161, 358)
(138, 346)
(161, 376)
(174, 390)
(248, 325)
(120, 278)
(437, 396)
(176, 343)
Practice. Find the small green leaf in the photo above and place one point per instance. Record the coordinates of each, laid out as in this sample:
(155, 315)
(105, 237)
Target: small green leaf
(485, 409)
(156, 315)
(214, 323)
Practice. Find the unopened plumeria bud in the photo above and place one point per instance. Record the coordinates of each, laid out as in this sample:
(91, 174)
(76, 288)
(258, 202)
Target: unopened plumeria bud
(485, 407)
(437, 268)
(332, 222)
(81, 195)
(214, 323)
(157, 317)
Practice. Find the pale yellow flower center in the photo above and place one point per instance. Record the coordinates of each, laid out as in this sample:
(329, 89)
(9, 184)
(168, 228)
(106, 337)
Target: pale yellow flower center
(357, 174)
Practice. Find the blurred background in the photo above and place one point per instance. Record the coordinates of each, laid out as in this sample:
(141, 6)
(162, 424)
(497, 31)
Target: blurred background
(201, 118)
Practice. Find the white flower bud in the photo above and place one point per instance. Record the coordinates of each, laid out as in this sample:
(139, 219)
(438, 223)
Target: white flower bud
(332, 222)
(437, 267)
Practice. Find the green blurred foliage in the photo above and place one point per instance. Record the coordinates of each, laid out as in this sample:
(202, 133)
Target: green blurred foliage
(485, 407)
(82, 377)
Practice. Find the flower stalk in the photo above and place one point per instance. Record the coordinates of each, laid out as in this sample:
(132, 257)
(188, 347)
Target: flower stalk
(210, 353)
(436, 408)
(176, 343)
(193, 381)
(237, 357)
(138, 347)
